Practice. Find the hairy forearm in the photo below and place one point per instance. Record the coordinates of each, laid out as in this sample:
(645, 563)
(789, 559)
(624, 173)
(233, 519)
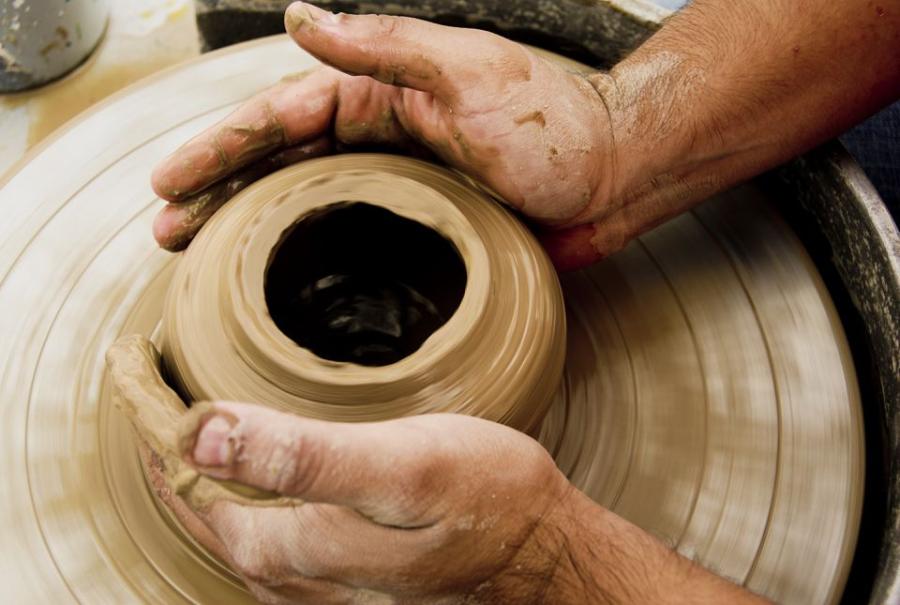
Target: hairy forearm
(605, 559)
(726, 90)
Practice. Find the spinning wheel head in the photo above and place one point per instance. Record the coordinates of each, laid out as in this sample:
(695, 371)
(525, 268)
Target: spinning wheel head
(707, 395)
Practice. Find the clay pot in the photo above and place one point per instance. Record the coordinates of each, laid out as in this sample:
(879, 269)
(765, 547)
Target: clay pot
(274, 300)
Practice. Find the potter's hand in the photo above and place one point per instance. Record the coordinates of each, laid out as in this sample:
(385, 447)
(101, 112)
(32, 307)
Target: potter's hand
(431, 509)
(533, 132)
(428, 509)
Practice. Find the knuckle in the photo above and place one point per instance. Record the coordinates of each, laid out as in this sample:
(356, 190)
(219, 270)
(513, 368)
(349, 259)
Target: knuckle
(489, 40)
(534, 456)
(512, 64)
(251, 571)
(538, 466)
(253, 551)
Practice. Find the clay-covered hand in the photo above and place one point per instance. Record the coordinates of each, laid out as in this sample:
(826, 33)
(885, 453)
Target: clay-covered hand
(430, 509)
(535, 133)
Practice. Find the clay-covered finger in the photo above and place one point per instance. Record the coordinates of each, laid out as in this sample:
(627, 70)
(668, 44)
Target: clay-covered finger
(400, 50)
(155, 411)
(379, 469)
(177, 223)
(297, 110)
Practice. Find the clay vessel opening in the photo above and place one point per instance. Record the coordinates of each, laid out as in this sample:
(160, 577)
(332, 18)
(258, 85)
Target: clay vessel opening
(354, 282)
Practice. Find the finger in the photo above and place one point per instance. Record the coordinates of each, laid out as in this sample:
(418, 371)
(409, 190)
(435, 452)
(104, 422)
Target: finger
(320, 546)
(400, 50)
(294, 111)
(390, 472)
(177, 224)
(366, 115)
(262, 558)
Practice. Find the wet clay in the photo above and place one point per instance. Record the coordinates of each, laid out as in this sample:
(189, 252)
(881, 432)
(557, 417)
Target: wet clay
(166, 425)
(498, 355)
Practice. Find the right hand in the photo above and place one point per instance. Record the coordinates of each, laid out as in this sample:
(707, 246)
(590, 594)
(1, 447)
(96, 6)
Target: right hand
(533, 132)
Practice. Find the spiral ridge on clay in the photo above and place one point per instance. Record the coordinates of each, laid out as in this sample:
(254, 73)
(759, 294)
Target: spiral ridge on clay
(499, 356)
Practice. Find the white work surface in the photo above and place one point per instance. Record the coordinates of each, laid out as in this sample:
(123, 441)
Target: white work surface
(143, 37)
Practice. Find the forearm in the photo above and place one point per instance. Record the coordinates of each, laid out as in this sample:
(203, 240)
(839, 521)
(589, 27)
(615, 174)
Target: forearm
(726, 90)
(605, 559)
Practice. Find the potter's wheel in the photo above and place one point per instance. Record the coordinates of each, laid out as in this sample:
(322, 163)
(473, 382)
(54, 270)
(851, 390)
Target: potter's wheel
(709, 395)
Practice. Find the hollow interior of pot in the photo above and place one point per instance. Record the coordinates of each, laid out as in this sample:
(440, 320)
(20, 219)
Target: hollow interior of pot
(355, 282)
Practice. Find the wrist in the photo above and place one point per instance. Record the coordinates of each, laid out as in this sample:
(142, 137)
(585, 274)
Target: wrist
(657, 164)
(580, 552)
(666, 157)
(602, 558)
(646, 140)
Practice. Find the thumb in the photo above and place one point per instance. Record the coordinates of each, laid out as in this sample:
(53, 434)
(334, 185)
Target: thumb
(373, 468)
(404, 51)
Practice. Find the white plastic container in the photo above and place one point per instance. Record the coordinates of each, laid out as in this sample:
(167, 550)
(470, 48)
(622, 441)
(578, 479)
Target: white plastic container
(41, 40)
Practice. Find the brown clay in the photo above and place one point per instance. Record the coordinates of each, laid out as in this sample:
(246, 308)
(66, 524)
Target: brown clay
(499, 356)
(162, 421)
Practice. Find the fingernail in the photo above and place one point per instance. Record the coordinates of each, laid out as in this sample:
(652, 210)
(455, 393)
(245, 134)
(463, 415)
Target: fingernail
(300, 14)
(213, 446)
